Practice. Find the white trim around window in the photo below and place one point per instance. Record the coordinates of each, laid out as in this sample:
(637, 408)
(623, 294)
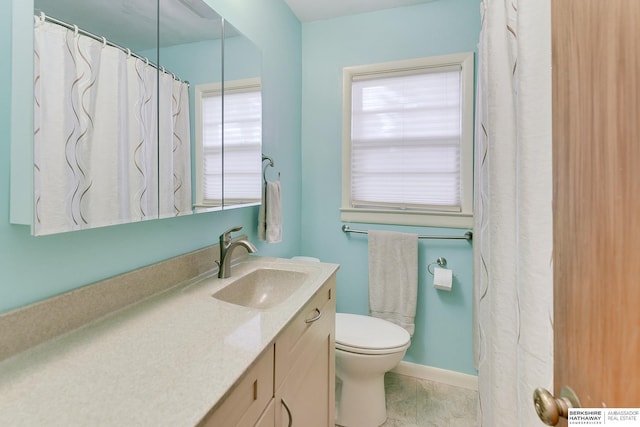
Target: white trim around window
(457, 213)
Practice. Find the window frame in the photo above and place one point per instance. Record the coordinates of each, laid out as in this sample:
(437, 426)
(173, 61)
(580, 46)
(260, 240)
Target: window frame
(216, 89)
(202, 91)
(434, 218)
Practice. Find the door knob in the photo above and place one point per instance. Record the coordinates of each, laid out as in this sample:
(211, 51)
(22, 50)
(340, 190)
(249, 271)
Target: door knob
(550, 408)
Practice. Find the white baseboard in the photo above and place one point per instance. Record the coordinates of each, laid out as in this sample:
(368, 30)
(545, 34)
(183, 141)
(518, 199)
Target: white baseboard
(430, 373)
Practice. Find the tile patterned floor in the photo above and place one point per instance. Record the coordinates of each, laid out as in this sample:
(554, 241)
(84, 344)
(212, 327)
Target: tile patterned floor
(413, 402)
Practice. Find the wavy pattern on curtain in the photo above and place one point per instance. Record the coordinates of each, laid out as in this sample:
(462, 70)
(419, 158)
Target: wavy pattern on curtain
(175, 148)
(97, 145)
(513, 217)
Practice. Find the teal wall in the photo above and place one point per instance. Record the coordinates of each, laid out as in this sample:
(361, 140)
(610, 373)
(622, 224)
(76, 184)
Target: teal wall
(443, 336)
(35, 268)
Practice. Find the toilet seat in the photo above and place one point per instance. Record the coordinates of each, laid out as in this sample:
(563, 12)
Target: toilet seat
(369, 335)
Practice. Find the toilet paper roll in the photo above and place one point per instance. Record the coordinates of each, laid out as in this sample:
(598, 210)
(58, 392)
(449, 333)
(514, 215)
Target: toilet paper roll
(442, 278)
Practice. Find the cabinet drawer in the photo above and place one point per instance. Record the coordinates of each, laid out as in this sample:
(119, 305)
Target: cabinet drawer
(310, 327)
(249, 397)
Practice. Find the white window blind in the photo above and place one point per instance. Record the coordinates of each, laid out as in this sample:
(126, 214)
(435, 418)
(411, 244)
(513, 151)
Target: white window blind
(242, 145)
(211, 178)
(406, 134)
(240, 154)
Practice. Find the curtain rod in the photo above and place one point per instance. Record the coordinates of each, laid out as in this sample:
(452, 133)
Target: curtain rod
(74, 28)
(467, 236)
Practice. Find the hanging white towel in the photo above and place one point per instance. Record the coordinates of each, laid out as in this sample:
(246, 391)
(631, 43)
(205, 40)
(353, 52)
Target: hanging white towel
(270, 213)
(393, 277)
(262, 215)
(273, 212)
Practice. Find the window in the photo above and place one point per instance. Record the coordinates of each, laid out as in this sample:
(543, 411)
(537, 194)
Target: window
(242, 145)
(240, 153)
(208, 123)
(408, 142)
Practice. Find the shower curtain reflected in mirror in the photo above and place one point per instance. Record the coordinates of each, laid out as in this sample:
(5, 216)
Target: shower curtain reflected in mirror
(174, 148)
(97, 147)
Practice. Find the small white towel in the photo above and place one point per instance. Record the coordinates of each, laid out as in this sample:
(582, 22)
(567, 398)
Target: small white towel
(270, 213)
(262, 216)
(393, 277)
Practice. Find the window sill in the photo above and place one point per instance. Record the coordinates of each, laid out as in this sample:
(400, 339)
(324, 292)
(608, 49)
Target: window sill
(425, 219)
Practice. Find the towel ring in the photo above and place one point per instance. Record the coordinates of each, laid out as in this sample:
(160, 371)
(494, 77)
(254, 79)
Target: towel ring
(264, 168)
(441, 261)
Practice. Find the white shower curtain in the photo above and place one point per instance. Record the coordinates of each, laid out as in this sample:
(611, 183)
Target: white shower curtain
(142, 149)
(174, 147)
(96, 140)
(513, 216)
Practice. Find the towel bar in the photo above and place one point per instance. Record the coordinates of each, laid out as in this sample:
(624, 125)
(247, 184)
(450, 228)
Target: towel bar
(467, 236)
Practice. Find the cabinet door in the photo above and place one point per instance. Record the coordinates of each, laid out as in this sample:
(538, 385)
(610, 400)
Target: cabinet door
(305, 364)
(306, 397)
(309, 327)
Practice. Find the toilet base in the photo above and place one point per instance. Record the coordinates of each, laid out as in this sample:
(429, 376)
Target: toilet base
(362, 403)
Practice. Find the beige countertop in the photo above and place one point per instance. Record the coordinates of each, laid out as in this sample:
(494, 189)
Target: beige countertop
(164, 361)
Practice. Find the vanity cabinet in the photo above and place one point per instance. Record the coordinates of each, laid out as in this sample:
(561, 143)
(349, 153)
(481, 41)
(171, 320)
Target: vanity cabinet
(293, 382)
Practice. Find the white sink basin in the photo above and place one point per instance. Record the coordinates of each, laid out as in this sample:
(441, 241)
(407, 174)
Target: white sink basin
(262, 288)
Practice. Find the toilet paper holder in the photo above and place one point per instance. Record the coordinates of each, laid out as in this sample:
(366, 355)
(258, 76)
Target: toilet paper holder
(441, 261)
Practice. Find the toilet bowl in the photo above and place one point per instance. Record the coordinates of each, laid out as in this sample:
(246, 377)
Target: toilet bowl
(366, 348)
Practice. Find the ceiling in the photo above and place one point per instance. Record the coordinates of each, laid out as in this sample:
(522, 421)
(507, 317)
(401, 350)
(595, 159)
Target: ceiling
(314, 10)
(132, 23)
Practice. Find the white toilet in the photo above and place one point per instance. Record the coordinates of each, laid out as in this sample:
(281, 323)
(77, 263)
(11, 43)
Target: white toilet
(366, 348)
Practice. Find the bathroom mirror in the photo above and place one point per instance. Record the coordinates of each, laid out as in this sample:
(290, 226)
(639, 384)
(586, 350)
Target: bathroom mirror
(106, 173)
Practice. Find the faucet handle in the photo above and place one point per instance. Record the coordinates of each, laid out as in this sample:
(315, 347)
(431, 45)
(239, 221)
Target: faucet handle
(226, 236)
(232, 230)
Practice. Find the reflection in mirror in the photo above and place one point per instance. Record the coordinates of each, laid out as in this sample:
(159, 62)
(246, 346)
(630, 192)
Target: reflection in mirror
(95, 114)
(229, 128)
(208, 109)
(190, 45)
(113, 131)
(242, 128)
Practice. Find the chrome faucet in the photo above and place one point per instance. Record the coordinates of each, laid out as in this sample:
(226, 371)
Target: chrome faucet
(227, 245)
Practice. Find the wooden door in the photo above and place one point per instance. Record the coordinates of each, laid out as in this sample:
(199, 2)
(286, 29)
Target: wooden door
(596, 200)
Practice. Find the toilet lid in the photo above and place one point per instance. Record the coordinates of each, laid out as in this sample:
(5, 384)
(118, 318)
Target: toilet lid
(354, 331)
